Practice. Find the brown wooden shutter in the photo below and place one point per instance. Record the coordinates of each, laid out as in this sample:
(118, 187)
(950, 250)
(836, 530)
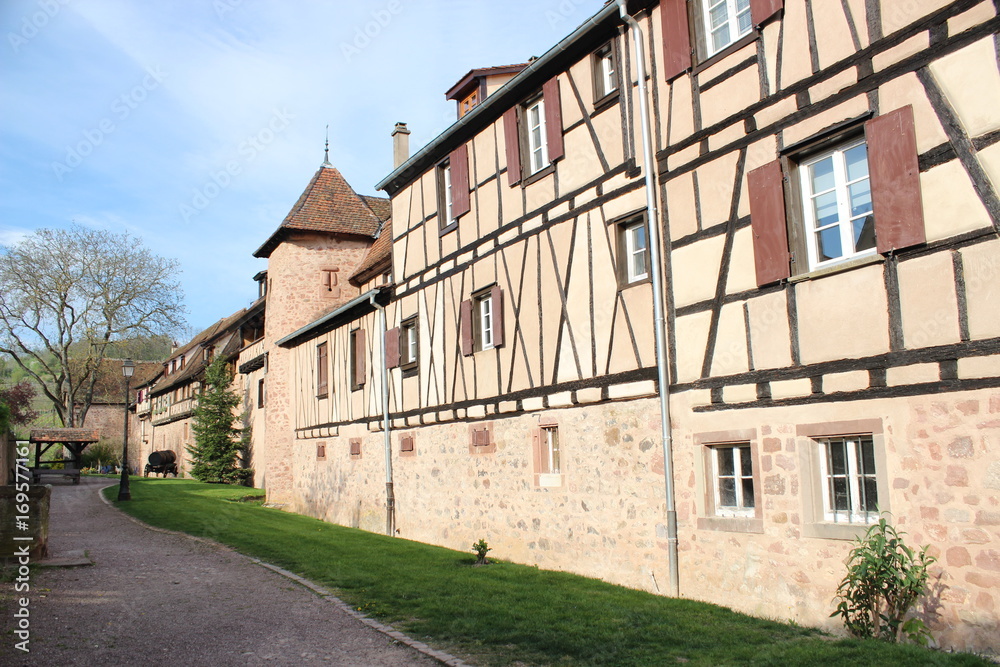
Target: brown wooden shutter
(553, 119)
(359, 358)
(496, 296)
(465, 327)
(406, 443)
(512, 142)
(762, 10)
(676, 38)
(459, 162)
(767, 219)
(895, 180)
(392, 348)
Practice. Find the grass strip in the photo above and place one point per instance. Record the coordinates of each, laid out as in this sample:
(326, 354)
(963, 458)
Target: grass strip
(501, 614)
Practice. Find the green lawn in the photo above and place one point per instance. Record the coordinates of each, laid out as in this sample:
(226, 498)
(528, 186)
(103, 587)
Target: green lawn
(501, 614)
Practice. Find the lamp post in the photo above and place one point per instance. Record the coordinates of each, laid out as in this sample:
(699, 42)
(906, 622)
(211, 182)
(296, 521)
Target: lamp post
(128, 368)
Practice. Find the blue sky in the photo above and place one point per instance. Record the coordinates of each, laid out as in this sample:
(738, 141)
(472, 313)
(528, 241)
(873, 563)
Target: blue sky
(196, 124)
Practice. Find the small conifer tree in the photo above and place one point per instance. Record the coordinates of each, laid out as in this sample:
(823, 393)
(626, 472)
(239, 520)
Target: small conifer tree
(217, 439)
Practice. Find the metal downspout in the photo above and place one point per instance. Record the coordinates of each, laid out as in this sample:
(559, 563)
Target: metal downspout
(390, 498)
(660, 329)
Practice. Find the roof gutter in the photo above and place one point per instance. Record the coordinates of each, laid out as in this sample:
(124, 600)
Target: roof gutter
(501, 97)
(329, 317)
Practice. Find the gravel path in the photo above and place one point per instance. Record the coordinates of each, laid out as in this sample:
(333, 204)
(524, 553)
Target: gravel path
(154, 598)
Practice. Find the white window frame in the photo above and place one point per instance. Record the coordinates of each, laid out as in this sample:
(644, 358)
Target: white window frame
(484, 316)
(632, 251)
(740, 451)
(607, 78)
(854, 514)
(732, 23)
(845, 221)
(550, 454)
(409, 346)
(538, 150)
(449, 218)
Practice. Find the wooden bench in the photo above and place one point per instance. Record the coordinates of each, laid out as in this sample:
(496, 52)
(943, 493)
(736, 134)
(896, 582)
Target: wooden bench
(38, 473)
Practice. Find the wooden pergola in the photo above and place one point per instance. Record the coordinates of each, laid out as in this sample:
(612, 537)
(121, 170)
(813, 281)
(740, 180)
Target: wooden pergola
(73, 439)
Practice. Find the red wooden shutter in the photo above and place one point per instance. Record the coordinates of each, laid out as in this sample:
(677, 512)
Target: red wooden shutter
(359, 357)
(676, 38)
(767, 220)
(895, 180)
(392, 348)
(465, 326)
(459, 162)
(762, 10)
(512, 142)
(496, 297)
(553, 119)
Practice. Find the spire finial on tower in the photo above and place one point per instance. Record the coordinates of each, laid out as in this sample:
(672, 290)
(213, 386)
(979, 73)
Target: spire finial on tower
(326, 150)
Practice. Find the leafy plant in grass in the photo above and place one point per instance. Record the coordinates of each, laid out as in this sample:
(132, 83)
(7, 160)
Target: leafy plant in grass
(98, 454)
(884, 579)
(215, 454)
(481, 548)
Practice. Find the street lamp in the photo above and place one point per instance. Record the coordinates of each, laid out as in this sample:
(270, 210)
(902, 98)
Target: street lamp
(128, 368)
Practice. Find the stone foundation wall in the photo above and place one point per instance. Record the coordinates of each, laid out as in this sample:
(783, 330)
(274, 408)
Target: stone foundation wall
(939, 476)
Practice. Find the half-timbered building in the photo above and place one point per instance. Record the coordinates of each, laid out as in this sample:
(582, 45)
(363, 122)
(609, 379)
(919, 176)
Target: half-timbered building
(817, 223)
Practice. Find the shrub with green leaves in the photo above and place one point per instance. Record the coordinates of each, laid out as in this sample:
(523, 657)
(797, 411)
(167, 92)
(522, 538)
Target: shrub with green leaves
(885, 577)
(481, 548)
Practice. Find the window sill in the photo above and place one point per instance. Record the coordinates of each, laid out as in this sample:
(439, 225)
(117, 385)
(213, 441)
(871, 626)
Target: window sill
(623, 285)
(538, 175)
(323, 395)
(835, 531)
(606, 102)
(731, 524)
(848, 265)
(548, 480)
(409, 371)
(721, 55)
(448, 228)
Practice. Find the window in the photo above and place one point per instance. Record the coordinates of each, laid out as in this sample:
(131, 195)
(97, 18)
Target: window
(444, 183)
(321, 451)
(725, 22)
(633, 248)
(406, 444)
(732, 473)
(453, 188)
(853, 192)
(837, 203)
(481, 321)
(548, 464)
(538, 154)
(408, 344)
(533, 134)
(848, 477)
(322, 371)
(355, 448)
(483, 324)
(260, 393)
(605, 72)
(718, 24)
(481, 439)
(357, 359)
(469, 103)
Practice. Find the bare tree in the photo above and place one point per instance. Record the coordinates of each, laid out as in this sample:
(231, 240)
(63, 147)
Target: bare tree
(65, 294)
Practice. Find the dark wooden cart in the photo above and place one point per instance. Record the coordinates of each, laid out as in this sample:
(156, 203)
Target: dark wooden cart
(162, 463)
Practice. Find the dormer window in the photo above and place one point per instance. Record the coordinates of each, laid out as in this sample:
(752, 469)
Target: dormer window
(467, 104)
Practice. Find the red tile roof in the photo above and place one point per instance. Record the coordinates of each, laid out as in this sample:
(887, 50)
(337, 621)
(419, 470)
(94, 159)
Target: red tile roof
(378, 258)
(330, 205)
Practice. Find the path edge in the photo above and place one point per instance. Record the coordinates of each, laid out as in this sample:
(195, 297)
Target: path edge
(387, 630)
